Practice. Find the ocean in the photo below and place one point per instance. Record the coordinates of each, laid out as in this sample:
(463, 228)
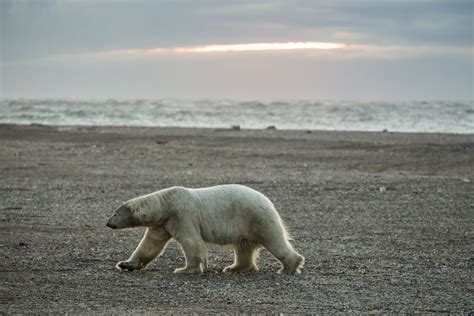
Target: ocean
(415, 116)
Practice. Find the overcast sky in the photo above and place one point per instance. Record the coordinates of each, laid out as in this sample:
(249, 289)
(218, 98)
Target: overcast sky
(390, 50)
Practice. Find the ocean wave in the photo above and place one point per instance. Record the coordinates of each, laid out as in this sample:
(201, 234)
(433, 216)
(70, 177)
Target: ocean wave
(419, 116)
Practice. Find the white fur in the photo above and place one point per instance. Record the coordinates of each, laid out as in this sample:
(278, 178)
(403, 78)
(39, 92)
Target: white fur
(232, 215)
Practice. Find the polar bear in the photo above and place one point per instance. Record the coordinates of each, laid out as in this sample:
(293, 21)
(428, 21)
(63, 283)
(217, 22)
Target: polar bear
(231, 215)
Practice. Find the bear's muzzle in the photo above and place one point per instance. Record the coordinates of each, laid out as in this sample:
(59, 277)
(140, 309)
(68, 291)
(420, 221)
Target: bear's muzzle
(111, 225)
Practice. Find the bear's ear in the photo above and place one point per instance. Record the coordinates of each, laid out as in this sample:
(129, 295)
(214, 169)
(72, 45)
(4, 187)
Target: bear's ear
(123, 210)
(126, 206)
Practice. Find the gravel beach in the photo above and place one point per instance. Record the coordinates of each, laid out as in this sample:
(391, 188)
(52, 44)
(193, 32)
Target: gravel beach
(385, 220)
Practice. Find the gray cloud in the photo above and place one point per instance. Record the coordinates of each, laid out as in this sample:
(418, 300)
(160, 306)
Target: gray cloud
(421, 38)
(37, 28)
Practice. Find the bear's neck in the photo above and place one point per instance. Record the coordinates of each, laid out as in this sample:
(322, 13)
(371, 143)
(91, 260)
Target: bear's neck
(148, 209)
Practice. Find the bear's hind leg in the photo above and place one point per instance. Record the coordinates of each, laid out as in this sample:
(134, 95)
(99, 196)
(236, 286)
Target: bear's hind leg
(195, 252)
(246, 253)
(294, 266)
(291, 260)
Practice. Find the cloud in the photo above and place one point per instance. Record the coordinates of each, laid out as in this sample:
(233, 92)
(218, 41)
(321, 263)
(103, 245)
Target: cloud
(395, 49)
(32, 29)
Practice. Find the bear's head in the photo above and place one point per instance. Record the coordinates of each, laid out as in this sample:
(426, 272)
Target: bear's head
(123, 217)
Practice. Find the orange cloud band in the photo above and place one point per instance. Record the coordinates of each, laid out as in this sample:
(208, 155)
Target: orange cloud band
(258, 47)
(221, 48)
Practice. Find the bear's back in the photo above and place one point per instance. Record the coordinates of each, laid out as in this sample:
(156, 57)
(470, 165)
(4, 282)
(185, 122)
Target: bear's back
(232, 194)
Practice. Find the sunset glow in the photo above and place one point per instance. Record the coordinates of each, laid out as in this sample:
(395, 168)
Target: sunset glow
(258, 47)
(217, 48)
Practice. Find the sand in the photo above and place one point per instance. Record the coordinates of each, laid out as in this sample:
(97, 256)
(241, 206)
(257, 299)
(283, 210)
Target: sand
(385, 220)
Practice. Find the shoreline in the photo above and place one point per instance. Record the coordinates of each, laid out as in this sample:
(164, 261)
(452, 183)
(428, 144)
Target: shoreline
(223, 129)
(382, 218)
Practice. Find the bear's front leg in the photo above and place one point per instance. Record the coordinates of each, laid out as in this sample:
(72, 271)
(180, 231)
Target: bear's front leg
(195, 252)
(151, 245)
(128, 265)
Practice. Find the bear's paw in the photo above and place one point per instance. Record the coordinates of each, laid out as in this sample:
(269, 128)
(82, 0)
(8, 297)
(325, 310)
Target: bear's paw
(127, 266)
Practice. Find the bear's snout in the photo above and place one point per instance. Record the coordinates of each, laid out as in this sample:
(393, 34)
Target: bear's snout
(111, 225)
